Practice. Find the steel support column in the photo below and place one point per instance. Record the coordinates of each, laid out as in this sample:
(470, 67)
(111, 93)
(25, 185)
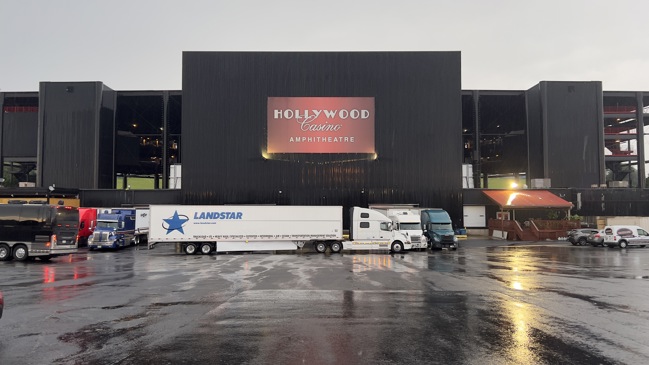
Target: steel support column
(641, 152)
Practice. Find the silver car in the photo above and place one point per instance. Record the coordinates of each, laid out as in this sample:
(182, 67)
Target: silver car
(579, 237)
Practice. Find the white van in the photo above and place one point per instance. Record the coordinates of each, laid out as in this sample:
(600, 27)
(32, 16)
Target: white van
(623, 236)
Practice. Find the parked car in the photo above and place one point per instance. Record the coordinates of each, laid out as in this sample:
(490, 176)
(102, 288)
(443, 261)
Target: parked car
(580, 236)
(2, 304)
(624, 236)
(596, 238)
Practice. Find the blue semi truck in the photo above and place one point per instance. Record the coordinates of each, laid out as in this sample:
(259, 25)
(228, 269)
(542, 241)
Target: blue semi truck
(115, 229)
(438, 229)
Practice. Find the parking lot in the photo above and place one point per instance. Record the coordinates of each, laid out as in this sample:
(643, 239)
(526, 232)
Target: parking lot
(490, 302)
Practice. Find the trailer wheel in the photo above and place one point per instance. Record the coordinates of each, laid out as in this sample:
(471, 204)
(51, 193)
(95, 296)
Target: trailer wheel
(190, 249)
(206, 249)
(336, 247)
(320, 247)
(397, 246)
(5, 252)
(21, 253)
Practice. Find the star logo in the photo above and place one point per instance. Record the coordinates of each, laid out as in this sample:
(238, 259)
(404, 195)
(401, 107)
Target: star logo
(175, 223)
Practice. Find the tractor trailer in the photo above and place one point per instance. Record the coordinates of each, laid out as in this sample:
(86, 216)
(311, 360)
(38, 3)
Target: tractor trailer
(221, 228)
(405, 218)
(438, 229)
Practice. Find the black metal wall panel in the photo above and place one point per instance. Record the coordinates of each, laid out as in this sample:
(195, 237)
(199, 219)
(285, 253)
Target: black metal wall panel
(535, 134)
(614, 202)
(119, 198)
(19, 134)
(417, 128)
(69, 123)
(573, 136)
(105, 146)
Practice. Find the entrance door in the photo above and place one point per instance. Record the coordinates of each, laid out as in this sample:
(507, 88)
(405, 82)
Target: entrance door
(475, 216)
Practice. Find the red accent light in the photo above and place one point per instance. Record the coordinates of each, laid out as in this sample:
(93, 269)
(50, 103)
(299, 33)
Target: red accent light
(20, 109)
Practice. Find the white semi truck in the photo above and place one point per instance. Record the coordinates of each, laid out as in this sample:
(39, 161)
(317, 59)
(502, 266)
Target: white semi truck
(223, 228)
(405, 218)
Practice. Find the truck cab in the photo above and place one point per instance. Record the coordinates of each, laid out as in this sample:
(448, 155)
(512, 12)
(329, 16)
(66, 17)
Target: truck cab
(87, 223)
(408, 222)
(374, 230)
(438, 229)
(114, 229)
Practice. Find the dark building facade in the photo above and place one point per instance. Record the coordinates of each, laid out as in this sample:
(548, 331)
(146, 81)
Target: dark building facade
(566, 133)
(76, 138)
(417, 128)
(424, 141)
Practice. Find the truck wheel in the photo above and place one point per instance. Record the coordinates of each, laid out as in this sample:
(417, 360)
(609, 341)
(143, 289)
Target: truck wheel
(206, 249)
(5, 253)
(397, 246)
(623, 244)
(190, 249)
(21, 253)
(320, 247)
(335, 247)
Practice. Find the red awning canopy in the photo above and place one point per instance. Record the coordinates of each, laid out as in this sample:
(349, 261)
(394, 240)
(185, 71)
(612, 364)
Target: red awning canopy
(526, 199)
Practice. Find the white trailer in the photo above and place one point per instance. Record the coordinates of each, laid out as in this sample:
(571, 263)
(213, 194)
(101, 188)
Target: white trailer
(405, 218)
(221, 228)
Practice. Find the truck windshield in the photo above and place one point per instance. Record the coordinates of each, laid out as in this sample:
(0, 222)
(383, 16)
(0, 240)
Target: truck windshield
(441, 226)
(102, 224)
(410, 226)
(67, 216)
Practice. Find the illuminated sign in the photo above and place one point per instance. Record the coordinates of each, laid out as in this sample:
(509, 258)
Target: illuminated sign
(320, 125)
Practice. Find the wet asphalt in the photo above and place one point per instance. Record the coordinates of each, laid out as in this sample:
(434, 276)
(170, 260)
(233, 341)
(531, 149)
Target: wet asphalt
(490, 302)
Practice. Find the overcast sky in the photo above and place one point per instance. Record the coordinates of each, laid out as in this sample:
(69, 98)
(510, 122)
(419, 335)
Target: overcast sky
(504, 44)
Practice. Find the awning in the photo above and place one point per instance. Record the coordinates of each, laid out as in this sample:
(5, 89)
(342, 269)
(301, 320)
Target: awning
(526, 199)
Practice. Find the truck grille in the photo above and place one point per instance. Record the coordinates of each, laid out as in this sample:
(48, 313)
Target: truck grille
(447, 238)
(100, 236)
(415, 239)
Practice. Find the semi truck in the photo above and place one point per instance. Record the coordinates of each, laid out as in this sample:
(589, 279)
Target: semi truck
(221, 228)
(115, 229)
(438, 229)
(120, 227)
(405, 218)
(87, 223)
(37, 230)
